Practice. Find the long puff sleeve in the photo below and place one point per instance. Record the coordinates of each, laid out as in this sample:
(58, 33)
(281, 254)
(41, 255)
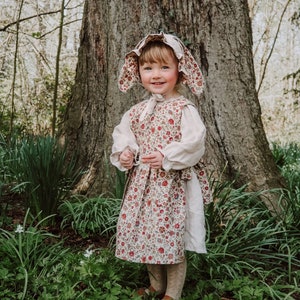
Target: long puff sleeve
(123, 138)
(187, 152)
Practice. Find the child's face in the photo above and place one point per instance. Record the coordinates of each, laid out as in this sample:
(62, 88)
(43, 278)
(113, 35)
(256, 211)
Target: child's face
(160, 78)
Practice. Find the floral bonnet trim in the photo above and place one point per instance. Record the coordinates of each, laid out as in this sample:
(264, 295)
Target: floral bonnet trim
(192, 75)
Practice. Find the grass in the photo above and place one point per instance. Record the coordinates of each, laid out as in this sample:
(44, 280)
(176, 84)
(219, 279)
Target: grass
(27, 254)
(252, 254)
(89, 216)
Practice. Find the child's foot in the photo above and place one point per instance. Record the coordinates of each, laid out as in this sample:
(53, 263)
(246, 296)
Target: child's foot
(145, 291)
(166, 297)
(150, 291)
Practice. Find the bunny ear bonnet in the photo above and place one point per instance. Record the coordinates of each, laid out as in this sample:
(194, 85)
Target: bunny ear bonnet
(187, 65)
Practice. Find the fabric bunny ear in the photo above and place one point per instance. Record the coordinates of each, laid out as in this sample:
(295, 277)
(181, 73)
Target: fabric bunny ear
(192, 75)
(129, 74)
(187, 65)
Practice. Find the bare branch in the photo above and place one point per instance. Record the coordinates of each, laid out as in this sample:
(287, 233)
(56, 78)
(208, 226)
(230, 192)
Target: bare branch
(38, 15)
(28, 18)
(38, 37)
(273, 46)
(57, 27)
(57, 64)
(12, 111)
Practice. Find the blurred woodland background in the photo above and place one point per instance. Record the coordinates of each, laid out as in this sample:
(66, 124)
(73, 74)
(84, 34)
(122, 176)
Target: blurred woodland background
(38, 56)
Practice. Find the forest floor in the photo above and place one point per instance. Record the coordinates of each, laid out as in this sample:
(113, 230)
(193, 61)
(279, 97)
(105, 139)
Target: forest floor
(13, 211)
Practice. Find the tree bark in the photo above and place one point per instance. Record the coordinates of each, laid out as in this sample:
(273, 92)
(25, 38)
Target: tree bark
(218, 33)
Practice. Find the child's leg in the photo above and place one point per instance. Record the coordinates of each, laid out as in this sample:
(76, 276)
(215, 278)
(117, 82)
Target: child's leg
(158, 277)
(175, 279)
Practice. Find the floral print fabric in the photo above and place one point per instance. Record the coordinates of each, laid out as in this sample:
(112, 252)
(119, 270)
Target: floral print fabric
(151, 225)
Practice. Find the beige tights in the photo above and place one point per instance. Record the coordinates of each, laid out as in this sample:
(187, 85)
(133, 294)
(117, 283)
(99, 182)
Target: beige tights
(168, 278)
(175, 279)
(158, 277)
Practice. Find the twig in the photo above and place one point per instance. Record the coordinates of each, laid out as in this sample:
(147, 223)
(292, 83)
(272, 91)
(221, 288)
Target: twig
(273, 46)
(12, 107)
(60, 38)
(28, 18)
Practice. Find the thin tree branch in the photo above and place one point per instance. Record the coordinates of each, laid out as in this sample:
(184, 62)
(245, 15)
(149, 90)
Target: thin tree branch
(273, 46)
(259, 41)
(45, 34)
(12, 105)
(28, 18)
(37, 15)
(60, 38)
(58, 27)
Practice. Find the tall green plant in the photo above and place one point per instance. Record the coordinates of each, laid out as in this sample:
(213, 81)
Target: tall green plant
(57, 67)
(43, 173)
(120, 184)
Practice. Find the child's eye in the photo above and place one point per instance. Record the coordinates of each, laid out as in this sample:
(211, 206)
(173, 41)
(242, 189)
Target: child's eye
(165, 67)
(147, 68)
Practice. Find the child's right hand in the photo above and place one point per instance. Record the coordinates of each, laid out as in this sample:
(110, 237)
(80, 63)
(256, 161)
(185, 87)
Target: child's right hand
(126, 159)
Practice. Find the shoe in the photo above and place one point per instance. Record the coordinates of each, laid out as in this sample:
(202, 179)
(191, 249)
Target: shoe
(150, 291)
(166, 297)
(145, 291)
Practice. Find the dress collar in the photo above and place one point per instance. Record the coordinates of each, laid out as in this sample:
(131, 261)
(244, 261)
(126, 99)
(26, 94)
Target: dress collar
(151, 103)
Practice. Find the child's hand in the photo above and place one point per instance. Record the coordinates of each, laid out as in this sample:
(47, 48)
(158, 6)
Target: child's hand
(154, 159)
(126, 159)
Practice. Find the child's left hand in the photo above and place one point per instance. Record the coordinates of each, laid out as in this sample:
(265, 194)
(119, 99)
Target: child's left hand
(154, 159)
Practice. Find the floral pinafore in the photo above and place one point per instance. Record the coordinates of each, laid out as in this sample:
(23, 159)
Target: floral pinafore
(151, 225)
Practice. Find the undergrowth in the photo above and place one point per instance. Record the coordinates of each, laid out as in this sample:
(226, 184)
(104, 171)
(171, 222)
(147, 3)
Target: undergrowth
(252, 253)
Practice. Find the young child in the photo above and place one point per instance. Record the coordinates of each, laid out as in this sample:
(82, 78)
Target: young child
(160, 142)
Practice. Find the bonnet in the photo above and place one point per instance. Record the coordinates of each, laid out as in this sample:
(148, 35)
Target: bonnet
(187, 65)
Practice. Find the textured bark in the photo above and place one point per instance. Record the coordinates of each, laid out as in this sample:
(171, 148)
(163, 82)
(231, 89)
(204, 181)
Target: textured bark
(218, 33)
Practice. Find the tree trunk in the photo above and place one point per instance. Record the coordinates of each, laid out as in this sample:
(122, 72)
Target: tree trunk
(218, 33)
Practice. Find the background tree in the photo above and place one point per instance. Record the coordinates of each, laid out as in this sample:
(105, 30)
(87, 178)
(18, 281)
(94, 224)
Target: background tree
(12, 109)
(36, 60)
(38, 56)
(276, 39)
(219, 36)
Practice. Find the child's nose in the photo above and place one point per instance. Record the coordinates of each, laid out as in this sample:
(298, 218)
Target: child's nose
(156, 73)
